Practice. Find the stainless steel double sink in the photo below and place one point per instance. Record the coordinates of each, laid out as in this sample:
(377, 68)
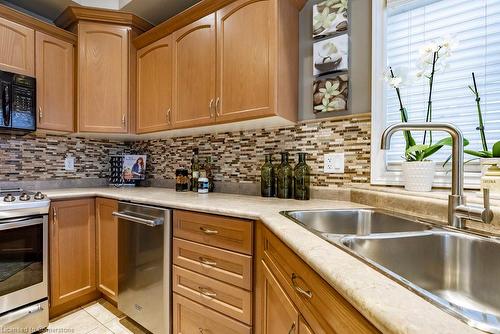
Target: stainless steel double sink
(457, 271)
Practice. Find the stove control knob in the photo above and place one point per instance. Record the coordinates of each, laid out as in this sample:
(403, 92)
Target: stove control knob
(24, 197)
(9, 198)
(39, 196)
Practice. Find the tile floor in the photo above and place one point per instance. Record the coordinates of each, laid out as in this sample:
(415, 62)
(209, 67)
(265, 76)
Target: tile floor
(99, 317)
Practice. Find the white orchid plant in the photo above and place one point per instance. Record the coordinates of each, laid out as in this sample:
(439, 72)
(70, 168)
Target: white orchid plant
(433, 59)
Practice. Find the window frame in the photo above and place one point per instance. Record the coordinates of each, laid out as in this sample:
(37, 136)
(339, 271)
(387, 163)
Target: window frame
(380, 174)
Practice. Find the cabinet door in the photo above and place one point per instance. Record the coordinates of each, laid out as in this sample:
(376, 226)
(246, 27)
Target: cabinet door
(17, 48)
(107, 247)
(246, 58)
(72, 250)
(55, 83)
(194, 74)
(103, 78)
(279, 314)
(304, 327)
(154, 86)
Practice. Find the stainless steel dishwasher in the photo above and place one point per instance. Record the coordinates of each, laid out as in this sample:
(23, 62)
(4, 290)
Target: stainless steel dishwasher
(144, 265)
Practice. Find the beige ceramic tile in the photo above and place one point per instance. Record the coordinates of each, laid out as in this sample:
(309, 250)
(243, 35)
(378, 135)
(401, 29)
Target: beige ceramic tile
(101, 330)
(125, 326)
(79, 322)
(102, 311)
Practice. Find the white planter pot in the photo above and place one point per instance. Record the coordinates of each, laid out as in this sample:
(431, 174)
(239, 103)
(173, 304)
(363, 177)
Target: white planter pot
(419, 175)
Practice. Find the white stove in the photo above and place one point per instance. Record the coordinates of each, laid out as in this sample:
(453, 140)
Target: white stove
(19, 203)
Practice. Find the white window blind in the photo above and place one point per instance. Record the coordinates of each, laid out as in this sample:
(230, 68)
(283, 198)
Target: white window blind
(476, 25)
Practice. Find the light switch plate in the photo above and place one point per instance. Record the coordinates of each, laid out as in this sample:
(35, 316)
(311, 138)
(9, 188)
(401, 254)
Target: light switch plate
(69, 163)
(334, 163)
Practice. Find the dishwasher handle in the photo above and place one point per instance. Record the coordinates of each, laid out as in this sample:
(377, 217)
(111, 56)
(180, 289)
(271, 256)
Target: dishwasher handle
(147, 222)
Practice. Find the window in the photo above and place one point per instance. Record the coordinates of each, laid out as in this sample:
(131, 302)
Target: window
(401, 28)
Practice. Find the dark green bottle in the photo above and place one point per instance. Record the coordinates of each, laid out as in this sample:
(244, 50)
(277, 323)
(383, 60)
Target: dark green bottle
(267, 178)
(302, 178)
(285, 178)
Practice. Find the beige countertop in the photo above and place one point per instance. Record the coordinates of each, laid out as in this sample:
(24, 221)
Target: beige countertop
(389, 306)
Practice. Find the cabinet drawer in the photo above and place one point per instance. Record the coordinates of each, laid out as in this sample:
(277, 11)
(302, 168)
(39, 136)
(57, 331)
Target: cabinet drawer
(226, 266)
(224, 232)
(190, 317)
(323, 308)
(222, 297)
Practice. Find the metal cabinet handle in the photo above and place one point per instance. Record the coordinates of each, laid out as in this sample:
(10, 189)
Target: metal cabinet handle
(211, 107)
(207, 262)
(307, 293)
(40, 113)
(123, 119)
(217, 103)
(208, 231)
(207, 292)
(292, 329)
(168, 116)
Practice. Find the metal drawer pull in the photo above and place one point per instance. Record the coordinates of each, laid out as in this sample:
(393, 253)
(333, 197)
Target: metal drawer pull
(208, 231)
(207, 292)
(297, 288)
(207, 262)
(292, 329)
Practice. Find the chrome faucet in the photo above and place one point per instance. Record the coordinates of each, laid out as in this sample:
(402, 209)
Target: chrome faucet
(458, 211)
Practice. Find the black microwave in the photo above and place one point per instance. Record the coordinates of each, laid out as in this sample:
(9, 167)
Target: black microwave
(17, 103)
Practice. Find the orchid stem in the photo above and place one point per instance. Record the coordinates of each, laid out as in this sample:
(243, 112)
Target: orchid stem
(480, 115)
(428, 117)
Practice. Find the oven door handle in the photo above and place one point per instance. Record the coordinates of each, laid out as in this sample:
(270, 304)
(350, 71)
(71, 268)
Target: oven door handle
(147, 222)
(19, 314)
(19, 222)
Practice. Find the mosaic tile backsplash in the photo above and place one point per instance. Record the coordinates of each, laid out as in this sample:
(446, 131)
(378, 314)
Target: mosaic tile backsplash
(237, 156)
(41, 157)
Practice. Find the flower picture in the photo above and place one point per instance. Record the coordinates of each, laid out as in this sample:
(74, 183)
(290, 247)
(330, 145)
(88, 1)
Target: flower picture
(331, 55)
(331, 94)
(330, 17)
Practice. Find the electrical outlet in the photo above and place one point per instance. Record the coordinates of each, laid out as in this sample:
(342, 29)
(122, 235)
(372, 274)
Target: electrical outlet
(334, 163)
(69, 163)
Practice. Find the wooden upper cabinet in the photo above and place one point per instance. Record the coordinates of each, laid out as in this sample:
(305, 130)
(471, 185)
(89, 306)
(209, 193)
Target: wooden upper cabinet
(55, 83)
(107, 247)
(103, 68)
(246, 59)
(154, 86)
(72, 250)
(17, 48)
(194, 74)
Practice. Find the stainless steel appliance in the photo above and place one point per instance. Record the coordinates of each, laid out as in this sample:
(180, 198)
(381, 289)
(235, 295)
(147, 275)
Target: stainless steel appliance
(144, 262)
(23, 261)
(17, 102)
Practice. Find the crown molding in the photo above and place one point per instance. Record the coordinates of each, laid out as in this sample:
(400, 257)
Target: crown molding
(73, 14)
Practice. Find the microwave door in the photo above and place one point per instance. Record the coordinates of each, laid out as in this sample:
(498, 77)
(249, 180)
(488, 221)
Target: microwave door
(6, 110)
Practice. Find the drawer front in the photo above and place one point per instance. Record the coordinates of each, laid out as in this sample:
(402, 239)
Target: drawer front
(226, 266)
(190, 317)
(323, 308)
(224, 232)
(222, 297)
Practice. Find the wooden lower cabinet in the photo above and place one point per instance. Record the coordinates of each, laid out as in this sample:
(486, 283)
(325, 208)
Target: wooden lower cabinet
(107, 247)
(190, 317)
(72, 254)
(322, 309)
(278, 313)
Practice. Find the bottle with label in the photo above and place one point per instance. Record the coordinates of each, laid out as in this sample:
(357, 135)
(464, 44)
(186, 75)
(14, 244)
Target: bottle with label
(209, 174)
(302, 178)
(195, 170)
(267, 178)
(285, 178)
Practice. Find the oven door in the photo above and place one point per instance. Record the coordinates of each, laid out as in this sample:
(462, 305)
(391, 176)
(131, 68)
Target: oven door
(23, 261)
